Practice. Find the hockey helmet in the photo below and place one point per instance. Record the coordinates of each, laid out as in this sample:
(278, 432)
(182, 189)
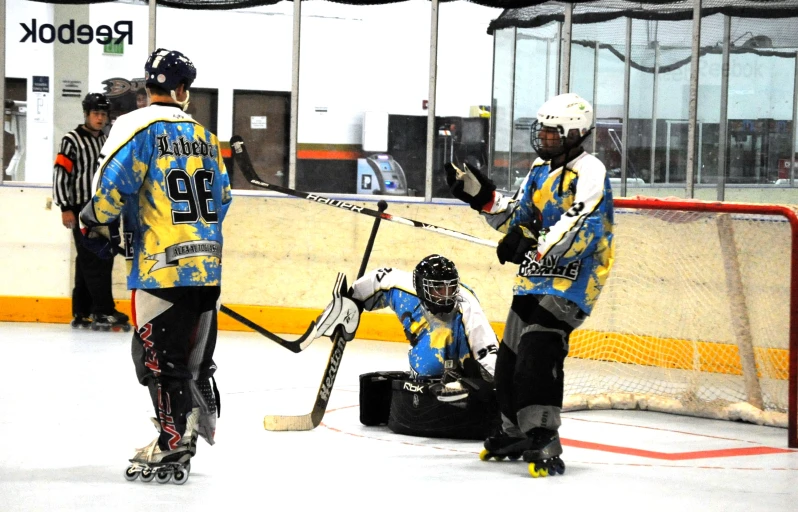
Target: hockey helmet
(437, 283)
(96, 101)
(565, 113)
(168, 69)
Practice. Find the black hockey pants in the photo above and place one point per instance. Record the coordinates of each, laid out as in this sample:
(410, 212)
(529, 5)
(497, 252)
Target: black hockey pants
(529, 366)
(173, 354)
(92, 291)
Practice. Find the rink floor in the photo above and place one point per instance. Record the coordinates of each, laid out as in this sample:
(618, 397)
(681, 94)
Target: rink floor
(72, 414)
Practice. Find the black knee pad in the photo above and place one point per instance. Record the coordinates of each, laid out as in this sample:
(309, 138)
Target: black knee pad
(416, 412)
(375, 396)
(539, 374)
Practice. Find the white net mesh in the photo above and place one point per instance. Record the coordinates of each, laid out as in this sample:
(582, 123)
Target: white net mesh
(694, 318)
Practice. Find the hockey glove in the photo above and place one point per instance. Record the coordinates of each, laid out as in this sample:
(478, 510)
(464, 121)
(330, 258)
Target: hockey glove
(104, 241)
(341, 311)
(521, 239)
(469, 186)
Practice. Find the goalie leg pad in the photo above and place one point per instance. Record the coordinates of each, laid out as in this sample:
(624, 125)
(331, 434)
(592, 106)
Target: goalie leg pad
(375, 396)
(416, 411)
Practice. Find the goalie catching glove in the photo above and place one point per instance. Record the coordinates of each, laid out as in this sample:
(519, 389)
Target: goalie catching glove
(521, 239)
(469, 186)
(341, 311)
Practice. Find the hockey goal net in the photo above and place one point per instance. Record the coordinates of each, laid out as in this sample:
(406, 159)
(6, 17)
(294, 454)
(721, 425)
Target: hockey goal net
(698, 316)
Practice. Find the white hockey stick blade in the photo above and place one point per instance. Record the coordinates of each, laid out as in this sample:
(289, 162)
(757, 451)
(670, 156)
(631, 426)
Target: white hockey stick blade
(286, 423)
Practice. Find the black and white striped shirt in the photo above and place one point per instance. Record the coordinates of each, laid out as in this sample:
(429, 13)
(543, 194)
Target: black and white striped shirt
(74, 167)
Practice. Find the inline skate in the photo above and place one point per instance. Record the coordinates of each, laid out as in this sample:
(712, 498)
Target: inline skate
(116, 322)
(80, 321)
(543, 453)
(151, 462)
(503, 446)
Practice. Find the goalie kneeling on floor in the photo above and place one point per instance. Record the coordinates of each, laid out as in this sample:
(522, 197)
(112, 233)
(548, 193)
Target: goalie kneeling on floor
(448, 391)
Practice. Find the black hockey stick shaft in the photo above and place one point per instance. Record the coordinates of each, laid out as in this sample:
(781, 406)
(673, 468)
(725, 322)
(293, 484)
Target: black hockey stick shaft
(313, 419)
(339, 344)
(241, 157)
(295, 346)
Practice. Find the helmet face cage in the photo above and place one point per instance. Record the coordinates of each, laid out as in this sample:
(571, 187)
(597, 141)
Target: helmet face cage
(168, 69)
(437, 284)
(550, 150)
(96, 101)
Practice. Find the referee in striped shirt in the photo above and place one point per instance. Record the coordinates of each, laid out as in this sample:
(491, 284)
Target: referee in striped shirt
(72, 188)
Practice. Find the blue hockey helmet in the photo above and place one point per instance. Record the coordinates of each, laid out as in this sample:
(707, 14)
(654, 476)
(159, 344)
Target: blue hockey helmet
(168, 69)
(437, 282)
(96, 101)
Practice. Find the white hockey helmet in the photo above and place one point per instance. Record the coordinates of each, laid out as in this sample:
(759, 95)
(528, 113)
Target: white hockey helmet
(567, 112)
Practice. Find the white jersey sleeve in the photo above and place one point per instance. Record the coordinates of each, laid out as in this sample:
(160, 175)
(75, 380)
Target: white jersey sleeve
(481, 338)
(589, 195)
(370, 289)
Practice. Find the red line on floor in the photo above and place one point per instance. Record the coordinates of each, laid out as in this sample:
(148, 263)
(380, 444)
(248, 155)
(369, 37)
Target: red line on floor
(703, 454)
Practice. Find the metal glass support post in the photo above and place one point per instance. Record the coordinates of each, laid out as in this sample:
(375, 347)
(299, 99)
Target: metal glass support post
(627, 74)
(723, 132)
(548, 66)
(152, 20)
(794, 120)
(432, 131)
(655, 94)
(558, 62)
(595, 93)
(693, 106)
(512, 109)
(565, 49)
(3, 87)
(667, 151)
(492, 118)
(294, 127)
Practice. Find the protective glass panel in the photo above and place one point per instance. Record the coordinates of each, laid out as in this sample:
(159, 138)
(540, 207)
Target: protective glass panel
(502, 106)
(463, 91)
(362, 123)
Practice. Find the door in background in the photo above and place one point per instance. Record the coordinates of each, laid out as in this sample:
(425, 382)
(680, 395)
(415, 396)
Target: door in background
(203, 107)
(262, 119)
(16, 90)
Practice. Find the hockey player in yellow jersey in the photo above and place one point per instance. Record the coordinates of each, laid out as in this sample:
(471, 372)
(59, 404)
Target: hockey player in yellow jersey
(163, 173)
(559, 230)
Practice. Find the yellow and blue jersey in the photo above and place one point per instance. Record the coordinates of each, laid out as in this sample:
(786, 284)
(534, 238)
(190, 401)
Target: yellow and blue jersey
(576, 250)
(434, 339)
(164, 174)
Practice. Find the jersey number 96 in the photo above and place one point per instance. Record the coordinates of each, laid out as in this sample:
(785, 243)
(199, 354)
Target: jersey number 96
(195, 193)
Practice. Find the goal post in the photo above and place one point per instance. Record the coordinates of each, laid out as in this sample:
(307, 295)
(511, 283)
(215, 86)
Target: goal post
(699, 315)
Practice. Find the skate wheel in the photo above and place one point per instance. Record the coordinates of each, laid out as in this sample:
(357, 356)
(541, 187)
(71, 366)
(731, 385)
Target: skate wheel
(536, 471)
(485, 455)
(147, 475)
(162, 476)
(131, 474)
(557, 466)
(514, 456)
(126, 328)
(181, 474)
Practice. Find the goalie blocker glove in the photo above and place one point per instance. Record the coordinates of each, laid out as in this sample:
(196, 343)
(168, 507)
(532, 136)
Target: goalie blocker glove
(469, 186)
(341, 311)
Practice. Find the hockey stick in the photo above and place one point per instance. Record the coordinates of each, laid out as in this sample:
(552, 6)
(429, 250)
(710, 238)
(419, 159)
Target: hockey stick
(242, 159)
(296, 346)
(313, 418)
